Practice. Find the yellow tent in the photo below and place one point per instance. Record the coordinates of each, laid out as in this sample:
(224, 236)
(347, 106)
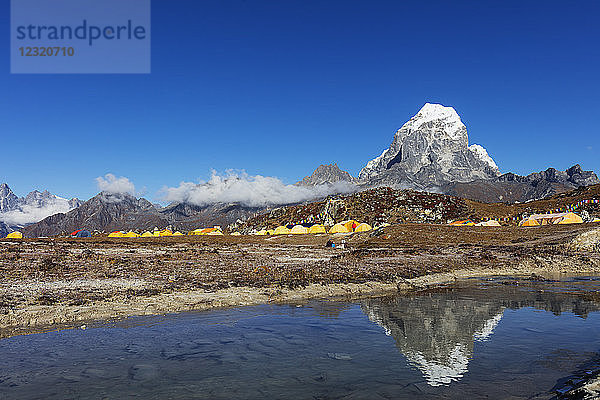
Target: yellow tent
(262, 232)
(15, 235)
(281, 230)
(299, 230)
(165, 232)
(147, 234)
(339, 228)
(350, 225)
(177, 234)
(131, 234)
(317, 229)
(491, 222)
(571, 218)
(270, 232)
(236, 234)
(529, 222)
(116, 234)
(364, 227)
(195, 232)
(596, 220)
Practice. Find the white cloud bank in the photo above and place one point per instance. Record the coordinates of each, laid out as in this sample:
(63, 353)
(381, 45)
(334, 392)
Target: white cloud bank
(109, 183)
(28, 214)
(252, 191)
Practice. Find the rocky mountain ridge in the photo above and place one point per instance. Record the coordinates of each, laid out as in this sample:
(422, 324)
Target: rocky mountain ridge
(511, 188)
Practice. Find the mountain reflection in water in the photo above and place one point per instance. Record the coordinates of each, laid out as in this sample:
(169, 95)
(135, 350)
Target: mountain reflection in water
(436, 330)
(492, 339)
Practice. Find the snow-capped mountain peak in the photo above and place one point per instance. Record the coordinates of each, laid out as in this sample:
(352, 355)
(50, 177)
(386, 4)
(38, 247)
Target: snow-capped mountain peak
(428, 151)
(431, 113)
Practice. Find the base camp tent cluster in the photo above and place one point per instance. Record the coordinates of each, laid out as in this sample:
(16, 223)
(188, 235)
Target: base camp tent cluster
(214, 231)
(302, 229)
(551, 219)
(533, 220)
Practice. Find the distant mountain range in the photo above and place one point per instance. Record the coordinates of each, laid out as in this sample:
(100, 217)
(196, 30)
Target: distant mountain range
(16, 212)
(511, 188)
(109, 212)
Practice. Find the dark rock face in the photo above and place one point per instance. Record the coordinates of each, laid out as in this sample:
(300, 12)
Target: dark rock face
(8, 200)
(515, 188)
(327, 174)
(4, 229)
(430, 150)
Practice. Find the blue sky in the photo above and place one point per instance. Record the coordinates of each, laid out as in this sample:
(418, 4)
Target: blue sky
(277, 88)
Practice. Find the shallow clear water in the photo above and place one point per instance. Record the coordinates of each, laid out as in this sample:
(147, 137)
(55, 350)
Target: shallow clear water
(496, 339)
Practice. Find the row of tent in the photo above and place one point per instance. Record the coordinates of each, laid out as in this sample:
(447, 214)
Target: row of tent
(164, 232)
(342, 227)
(533, 220)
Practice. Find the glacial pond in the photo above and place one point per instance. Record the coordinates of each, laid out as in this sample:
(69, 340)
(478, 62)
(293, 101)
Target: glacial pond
(495, 338)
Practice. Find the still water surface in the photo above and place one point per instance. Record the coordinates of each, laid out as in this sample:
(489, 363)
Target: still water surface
(497, 339)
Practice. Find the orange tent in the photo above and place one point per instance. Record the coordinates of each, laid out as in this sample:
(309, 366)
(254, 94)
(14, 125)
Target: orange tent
(529, 222)
(464, 222)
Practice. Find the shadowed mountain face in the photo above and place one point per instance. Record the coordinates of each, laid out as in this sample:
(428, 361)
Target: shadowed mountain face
(188, 216)
(437, 331)
(327, 174)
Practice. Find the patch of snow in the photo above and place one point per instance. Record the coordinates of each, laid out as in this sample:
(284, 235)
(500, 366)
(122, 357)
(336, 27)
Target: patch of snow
(435, 112)
(484, 333)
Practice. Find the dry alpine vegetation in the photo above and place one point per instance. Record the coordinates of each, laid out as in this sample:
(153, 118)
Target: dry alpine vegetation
(48, 282)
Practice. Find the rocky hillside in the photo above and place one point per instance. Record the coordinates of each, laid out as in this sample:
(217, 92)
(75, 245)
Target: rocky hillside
(374, 206)
(513, 188)
(386, 205)
(430, 150)
(327, 174)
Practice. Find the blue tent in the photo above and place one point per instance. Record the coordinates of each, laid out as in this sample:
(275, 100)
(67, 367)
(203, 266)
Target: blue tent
(82, 233)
